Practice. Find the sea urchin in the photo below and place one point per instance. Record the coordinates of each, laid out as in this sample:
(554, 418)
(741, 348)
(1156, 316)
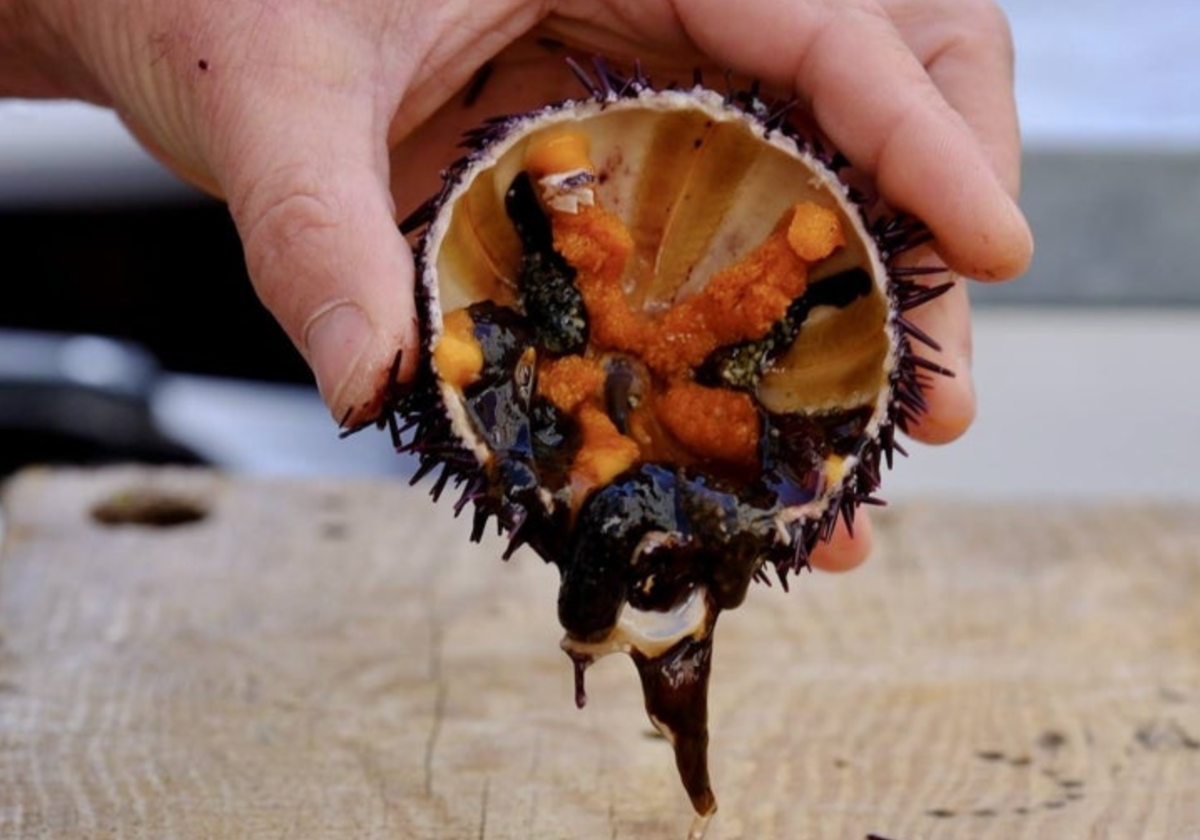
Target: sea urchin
(665, 347)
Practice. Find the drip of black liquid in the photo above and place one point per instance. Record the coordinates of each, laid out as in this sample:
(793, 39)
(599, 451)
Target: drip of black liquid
(675, 687)
(675, 692)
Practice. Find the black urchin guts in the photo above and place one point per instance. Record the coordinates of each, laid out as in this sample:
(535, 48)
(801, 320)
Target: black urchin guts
(666, 349)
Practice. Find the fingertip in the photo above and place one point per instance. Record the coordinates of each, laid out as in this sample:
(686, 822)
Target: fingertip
(951, 403)
(936, 171)
(335, 338)
(950, 417)
(356, 364)
(988, 239)
(885, 112)
(940, 337)
(845, 549)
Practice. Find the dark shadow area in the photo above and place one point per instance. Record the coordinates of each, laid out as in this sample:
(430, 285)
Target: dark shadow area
(168, 283)
(1114, 228)
(171, 279)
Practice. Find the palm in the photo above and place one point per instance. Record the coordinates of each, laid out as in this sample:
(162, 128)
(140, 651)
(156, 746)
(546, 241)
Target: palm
(531, 71)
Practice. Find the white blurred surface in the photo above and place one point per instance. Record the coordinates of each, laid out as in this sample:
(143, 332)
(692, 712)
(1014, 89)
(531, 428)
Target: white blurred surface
(1079, 403)
(1107, 72)
(269, 429)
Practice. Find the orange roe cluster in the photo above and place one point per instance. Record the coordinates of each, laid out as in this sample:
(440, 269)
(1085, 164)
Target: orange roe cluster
(570, 381)
(718, 422)
(575, 384)
(604, 453)
(457, 354)
(740, 303)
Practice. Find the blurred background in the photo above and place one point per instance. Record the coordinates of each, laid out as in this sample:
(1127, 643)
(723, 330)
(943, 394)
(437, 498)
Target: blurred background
(130, 331)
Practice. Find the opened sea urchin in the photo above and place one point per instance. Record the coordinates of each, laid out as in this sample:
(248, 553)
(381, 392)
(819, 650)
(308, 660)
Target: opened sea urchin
(665, 347)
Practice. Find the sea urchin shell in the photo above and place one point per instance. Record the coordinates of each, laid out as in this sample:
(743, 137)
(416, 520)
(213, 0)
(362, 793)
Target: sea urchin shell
(665, 348)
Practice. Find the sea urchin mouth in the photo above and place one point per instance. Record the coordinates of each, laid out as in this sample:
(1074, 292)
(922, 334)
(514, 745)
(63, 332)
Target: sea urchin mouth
(665, 347)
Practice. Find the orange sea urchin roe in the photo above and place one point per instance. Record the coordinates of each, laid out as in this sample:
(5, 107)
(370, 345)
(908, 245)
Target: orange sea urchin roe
(604, 452)
(741, 302)
(719, 423)
(597, 245)
(570, 381)
(575, 384)
(814, 232)
(563, 152)
(457, 354)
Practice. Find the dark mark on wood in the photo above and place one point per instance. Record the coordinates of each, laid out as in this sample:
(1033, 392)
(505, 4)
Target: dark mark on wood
(941, 813)
(1052, 740)
(483, 808)
(334, 531)
(1053, 804)
(1171, 695)
(1021, 761)
(984, 812)
(148, 507)
(990, 755)
(1162, 735)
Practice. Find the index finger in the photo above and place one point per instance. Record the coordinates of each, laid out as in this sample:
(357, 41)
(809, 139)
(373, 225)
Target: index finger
(966, 48)
(877, 103)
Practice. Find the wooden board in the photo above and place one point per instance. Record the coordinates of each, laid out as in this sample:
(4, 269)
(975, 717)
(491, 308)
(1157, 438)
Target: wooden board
(335, 660)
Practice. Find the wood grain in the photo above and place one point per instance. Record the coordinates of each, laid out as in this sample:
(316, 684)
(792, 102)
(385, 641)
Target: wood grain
(335, 660)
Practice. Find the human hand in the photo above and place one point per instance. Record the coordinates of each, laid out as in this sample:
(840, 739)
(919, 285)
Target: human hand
(319, 123)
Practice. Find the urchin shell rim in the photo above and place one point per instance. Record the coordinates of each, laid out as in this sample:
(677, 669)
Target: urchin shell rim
(421, 411)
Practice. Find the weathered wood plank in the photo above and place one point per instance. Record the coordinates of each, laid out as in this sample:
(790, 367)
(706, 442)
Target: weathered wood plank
(333, 660)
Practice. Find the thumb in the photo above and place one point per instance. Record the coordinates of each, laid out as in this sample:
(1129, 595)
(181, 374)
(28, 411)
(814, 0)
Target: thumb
(316, 218)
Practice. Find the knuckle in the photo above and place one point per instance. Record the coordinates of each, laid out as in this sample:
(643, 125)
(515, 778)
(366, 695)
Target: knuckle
(985, 25)
(279, 217)
(979, 28)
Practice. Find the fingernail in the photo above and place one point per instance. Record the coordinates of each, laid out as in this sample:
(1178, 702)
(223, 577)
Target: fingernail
(335, 338)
